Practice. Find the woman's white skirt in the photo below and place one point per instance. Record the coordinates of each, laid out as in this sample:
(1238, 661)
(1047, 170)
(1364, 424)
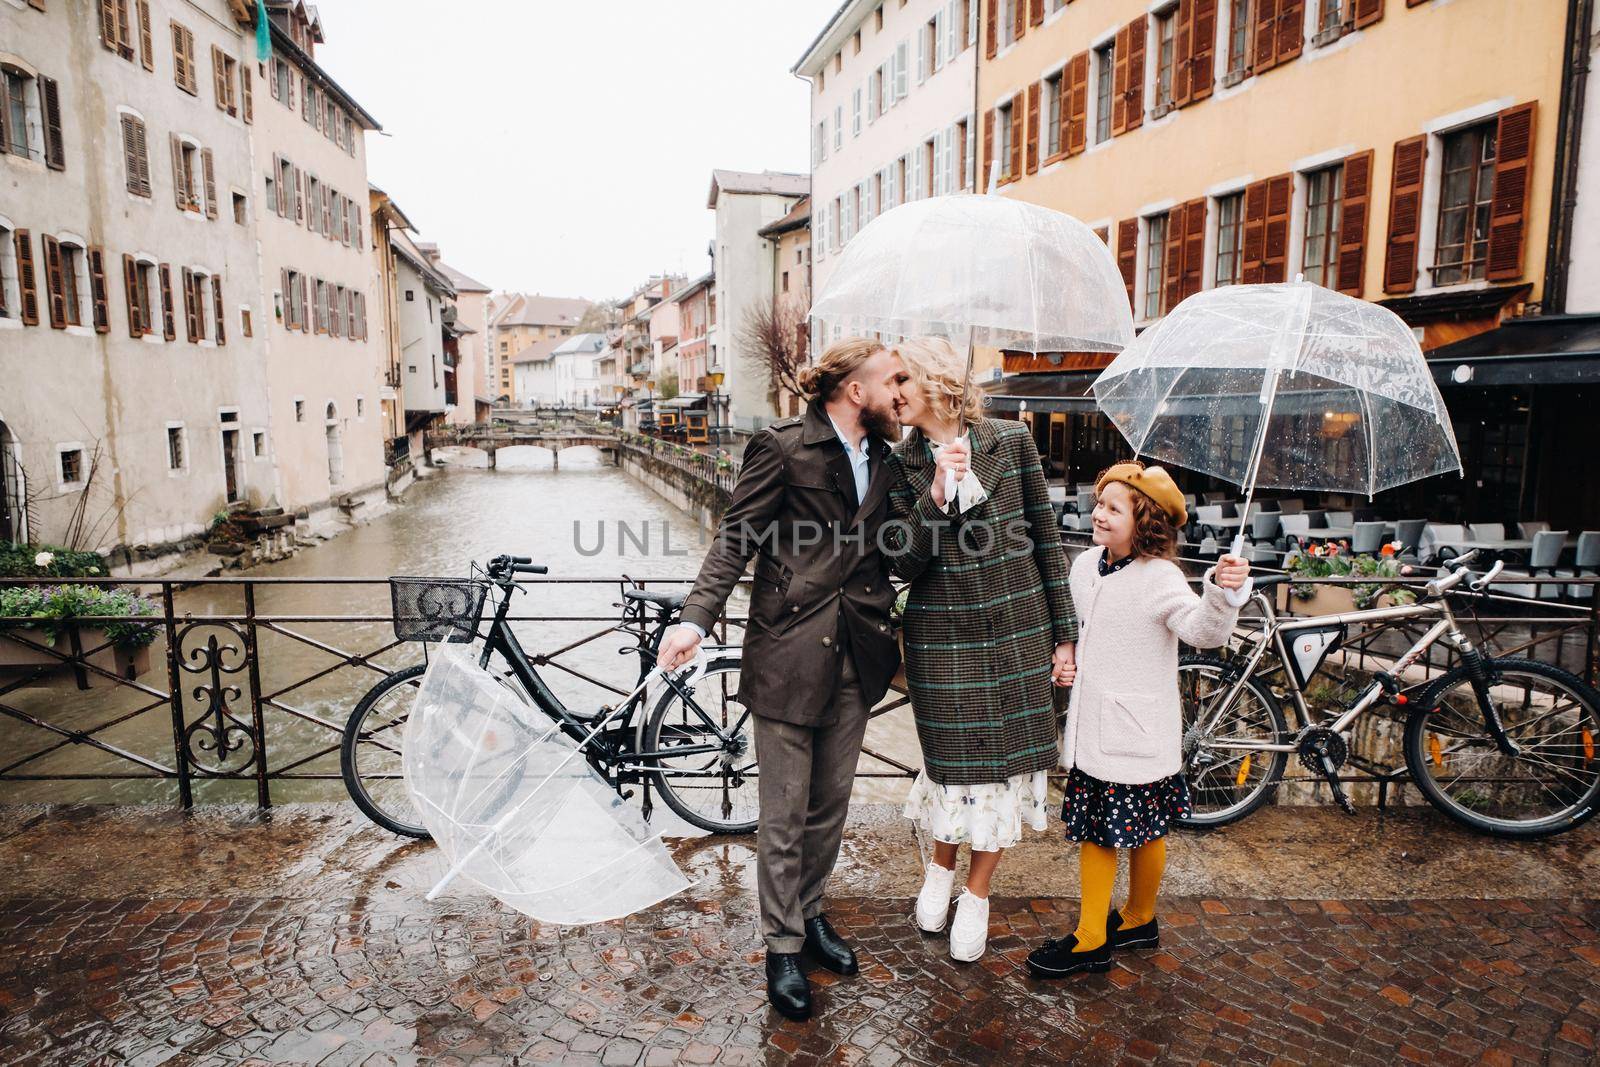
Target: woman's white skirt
(987, 817)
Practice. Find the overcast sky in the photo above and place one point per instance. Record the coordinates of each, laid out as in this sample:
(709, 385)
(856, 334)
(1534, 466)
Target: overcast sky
(566, 147)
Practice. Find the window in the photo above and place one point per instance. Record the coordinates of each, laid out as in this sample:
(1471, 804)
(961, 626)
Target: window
(175, 456)
(1319, 254)
(8, 274)
(239, 213)
(63, 264)
(819, 143)
(855, 113)
(18, 88)
(1002, 140)
(1155, 257)
(1239, 22)
(183, 64)
(1230, 231)
(258, 443)
(1104, 71)
(785, 281)
(71, 460)
(139, 279)
(856, 42)
(902, 75)
(225, 75)
(299, 410)
(1051, 114)
(1332, 21)
(319, 324)
(116, 27)
(183, 174)
(838, 127)
(1465, 195)
(1166, 23)
(246, 327)
(361, 407)
(282, 83)
(135, 155)
(929, 52)
(877, 18)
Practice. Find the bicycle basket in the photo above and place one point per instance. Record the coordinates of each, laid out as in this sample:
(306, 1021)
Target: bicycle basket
(437, 609)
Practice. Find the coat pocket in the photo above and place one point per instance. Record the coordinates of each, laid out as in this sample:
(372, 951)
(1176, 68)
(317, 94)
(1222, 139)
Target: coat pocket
(1123, 731)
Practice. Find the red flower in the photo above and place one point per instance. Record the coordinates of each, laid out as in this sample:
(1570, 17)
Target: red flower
(1389, 549)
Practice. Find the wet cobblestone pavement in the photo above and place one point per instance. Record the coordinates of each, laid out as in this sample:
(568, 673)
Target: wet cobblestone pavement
(231, 974)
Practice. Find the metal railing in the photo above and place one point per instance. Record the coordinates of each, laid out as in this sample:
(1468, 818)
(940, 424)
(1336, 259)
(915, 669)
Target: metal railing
(718, 470)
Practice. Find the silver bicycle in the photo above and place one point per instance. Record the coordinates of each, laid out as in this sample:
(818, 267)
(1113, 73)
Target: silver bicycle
(1503, 745)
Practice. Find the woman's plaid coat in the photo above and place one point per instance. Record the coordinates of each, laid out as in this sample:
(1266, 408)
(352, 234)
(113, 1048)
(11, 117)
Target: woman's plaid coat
(989, 602)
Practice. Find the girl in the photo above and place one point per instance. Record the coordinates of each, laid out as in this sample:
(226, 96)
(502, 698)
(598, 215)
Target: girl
(1124, 728)
(987, 619)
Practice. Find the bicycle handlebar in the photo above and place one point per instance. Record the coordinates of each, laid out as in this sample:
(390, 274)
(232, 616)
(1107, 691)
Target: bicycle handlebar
(1446, 582)
(529, 568)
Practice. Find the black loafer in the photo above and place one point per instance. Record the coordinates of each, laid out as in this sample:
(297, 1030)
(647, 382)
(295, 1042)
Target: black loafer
(1055, 958)
(1145, 935)
(787, 987)
(828, 947)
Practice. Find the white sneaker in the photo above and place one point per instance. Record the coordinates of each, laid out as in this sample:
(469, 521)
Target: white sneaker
(969, 934)
(933, 903)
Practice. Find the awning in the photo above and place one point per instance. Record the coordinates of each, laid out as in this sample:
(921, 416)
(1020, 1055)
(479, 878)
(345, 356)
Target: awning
(1536, 350)
(686, 400)
(1042, 392)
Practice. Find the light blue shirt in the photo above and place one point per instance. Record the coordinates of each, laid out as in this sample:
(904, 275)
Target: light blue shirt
(859, 460)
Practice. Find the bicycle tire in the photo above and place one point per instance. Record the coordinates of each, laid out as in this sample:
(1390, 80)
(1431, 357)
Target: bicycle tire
(649, 741)
(1418, 758)
(347, 757)
(1227, 673)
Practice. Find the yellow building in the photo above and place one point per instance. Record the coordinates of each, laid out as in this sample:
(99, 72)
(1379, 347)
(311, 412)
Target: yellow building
(518, 321)
(1398, 151)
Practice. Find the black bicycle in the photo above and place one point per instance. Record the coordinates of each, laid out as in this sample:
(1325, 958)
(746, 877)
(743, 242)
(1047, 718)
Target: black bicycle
(695, 744)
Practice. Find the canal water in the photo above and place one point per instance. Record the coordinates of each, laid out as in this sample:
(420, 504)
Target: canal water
(588, 522)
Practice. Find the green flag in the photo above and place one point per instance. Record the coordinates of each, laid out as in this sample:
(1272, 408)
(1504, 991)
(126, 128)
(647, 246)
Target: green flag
(263, 35)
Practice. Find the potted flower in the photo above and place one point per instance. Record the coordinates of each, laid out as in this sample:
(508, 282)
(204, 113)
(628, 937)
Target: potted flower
(50, 611)
(1333, 560)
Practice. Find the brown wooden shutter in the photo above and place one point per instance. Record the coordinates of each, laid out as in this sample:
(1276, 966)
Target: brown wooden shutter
(1509, 216)
(177, 55)
(247, 96)
(147, 46)
(216, 302)
(1018, 111)
(285, 305)
(1172, 260)
(1405, 215)
(1019, 20)
(1035, 12)
(1194, 248)
(1119, 82)
(1280, 199)
(54, 286)
(169, 326)
(1128, 253)
(1354, 211)
(1075, 97)
(208, 165)
(219, 78)
(130, 287)
(1415, 3)
(1182, 50)
(55, 156)
(142, 151)
(988, 152)
(1135, 108)
(305, 304)
(108, 24)
(178, 191)
(1203, 51)
(130, 155)
(1291, 29)
(336, 310)
(1253, 239)
(299, 196)
(27, 279)
(1266, 35)
(1367, 12)
(99, 298)
(191, 324)
(1032, 131)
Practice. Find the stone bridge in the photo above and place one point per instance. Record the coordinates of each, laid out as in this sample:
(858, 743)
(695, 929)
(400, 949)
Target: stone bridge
(490, 442)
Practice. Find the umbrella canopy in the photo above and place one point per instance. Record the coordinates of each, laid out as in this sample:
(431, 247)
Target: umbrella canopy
(1287, 385)
(514, 806)
(983, 270)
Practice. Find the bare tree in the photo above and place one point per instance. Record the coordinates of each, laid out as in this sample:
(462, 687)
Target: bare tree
(600, 318)
(773, 335)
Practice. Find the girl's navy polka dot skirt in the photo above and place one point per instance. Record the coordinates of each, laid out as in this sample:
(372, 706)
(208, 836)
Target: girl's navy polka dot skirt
(1114, 815)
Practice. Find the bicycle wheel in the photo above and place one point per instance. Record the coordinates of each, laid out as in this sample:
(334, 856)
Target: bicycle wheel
(1226, 784)
(716, 791)
(1551, 715)
(369, 758)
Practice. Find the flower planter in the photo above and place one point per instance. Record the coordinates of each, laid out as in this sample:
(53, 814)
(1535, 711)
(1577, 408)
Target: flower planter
(18, 659)
(1326, 600)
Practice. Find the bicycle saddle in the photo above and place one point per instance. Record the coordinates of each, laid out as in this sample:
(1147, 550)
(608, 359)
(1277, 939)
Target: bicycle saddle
(666, 601)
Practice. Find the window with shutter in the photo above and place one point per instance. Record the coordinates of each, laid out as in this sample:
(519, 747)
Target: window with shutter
(1136, 51)
(991, 31)
(988, 146)
(1508, 221)
(1075, 104)
(1119, 88)
(1202, 65)
(1253, 239)
(1354, 215)
(169, 328)
(1031, 130)
(1366, 12)
(336, 311)
(182, 191)
(1019, 19)
(1156, 266)
(1319, 249)
(1291, 29)
(1105, 65)
(1183, 43)
(216, 300)
(55, 282)
(55, 156)
(1166, 44)
(27, 279)
(99, 297)
(1265, 52)
(135, 155)
(147, 49)
(218, 83)
(1014, 137)
(183, 59)
(247, 95)
(191, 324)
(303, 315)
(1280, 200)
(1405, 215)
(1128, 253)
(208, 168)
(130, 290)
(1193, 236)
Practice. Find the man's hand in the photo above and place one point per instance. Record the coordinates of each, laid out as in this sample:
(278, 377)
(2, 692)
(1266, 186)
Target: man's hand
(1064, 664)
(955, 458)
(1232, 572)
(677, 647)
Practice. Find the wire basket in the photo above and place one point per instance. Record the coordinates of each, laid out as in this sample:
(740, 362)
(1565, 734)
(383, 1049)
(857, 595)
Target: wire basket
(437, 609)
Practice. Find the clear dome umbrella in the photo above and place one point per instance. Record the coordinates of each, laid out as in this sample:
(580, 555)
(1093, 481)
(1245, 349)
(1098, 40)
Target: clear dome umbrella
(1287, 386)
(514, 807)
(980, 270)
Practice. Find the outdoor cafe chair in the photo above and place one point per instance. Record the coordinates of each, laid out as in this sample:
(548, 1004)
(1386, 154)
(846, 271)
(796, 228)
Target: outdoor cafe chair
(1439, 538)
(1542, 559)
(1291, 507)
(1295, 527)
(1530, 528)
(1368, 538)
(1487, 531)
(1340, 518)
(1409, 533)
(1317, 517)
(1264, 526)
(1585, 565)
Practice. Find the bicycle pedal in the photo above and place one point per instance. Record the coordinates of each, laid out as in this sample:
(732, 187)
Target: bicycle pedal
(1339, 795)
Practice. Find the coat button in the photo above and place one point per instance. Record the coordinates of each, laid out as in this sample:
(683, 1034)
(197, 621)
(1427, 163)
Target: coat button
(883, 626)
(868, 589)
(795, 609)
(827, 640)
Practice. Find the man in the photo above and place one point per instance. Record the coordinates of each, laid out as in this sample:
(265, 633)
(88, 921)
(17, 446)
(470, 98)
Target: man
(819, 649)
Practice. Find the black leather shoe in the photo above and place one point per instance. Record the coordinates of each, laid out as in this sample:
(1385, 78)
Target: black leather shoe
(1055, 958)
(1146, 935)
(828, 947)
(787, 987)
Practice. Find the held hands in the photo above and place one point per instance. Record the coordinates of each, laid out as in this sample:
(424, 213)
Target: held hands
(1064, 664)
(1232, 572)
(677, 648)
(954, 458)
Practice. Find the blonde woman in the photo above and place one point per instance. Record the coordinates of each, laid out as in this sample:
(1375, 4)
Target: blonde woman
(988, 626)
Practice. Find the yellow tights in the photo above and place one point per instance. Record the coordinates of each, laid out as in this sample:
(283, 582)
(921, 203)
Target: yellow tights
(1097, 870)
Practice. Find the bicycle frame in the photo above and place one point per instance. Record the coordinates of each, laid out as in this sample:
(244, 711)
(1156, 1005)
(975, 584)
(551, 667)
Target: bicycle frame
(1277, 634)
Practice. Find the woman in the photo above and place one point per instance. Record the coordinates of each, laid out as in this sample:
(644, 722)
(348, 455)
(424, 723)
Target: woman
(987, 622)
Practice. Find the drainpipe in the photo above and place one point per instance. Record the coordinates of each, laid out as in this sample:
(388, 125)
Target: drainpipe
(1569, 135)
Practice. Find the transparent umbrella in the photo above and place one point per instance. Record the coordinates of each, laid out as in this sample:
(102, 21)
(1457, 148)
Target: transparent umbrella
(1288, 386)
(515, 808)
